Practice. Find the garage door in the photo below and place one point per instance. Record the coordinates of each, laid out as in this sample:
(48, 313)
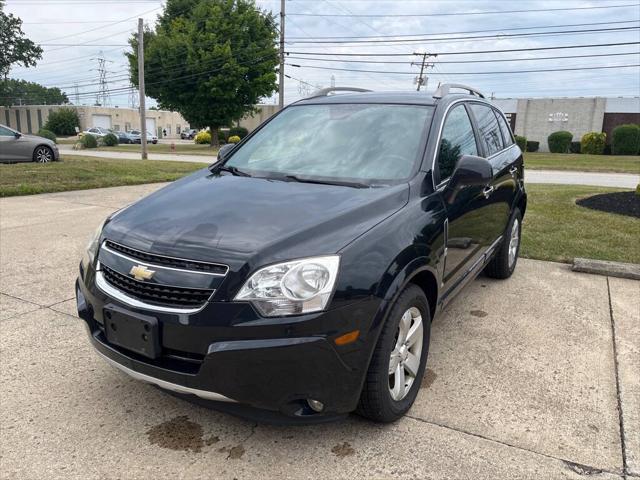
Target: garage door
(103, 121)
(151, 125)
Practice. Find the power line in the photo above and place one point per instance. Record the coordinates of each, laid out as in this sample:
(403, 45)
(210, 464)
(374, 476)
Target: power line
(447, 14)
(529, 49)
(468, 73)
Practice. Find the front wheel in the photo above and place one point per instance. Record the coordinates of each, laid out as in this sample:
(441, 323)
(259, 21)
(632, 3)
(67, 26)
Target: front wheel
(43, 154)
(504, 261)
(396, 369)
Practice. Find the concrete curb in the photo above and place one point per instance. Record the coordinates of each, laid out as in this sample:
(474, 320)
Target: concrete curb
(603, 267)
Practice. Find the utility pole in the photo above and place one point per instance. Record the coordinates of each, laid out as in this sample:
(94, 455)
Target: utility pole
(281, 72)
(421, 80)
(143, 117)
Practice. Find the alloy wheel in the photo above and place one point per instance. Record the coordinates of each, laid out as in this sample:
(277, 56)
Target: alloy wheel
(404, 361)
(513, 242)
(43, 155)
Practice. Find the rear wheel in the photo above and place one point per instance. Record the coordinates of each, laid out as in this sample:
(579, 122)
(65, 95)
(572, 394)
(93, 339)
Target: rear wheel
(504, 261)
(395, 373)
(43, 154)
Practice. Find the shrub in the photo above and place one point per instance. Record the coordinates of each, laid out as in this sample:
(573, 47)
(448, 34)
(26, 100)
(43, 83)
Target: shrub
(222, 138)
(47, 134)
(63, 121)
(203, 137)
(89, 141)
(575, 147)
(593, 143)
(110, 140)
(626, 140)
(522, 142)
(559, 142)
(234, 139)
(532, 146)
(238, 132)
(638, 189)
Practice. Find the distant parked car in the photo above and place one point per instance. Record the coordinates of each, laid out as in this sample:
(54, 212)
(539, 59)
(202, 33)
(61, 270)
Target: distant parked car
(123, 137)
(135, 137)
(188, 134)
(97, 132)
(16, 147)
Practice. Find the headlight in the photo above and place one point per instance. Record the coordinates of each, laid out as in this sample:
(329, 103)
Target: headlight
(290, 288)
(92, 247)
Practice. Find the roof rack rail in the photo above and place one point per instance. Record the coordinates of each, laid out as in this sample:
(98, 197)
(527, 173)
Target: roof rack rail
(445, 87)
(323, 92)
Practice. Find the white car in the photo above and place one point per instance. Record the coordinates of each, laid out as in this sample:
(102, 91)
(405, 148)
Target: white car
(97, 132)
(135, 137)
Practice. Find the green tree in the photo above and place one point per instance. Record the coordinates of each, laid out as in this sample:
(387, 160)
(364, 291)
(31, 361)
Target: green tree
(14, 47)
(63, 121)
(210, 60)
(14, 92)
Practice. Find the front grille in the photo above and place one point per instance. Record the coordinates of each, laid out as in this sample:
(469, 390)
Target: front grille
(163, 295)
(167, 261)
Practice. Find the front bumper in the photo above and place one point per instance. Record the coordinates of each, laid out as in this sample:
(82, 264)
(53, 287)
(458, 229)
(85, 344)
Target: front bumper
(227, 352)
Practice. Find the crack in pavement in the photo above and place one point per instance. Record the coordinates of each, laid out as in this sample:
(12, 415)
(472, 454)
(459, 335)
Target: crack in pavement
(500, 442)
(625, 467)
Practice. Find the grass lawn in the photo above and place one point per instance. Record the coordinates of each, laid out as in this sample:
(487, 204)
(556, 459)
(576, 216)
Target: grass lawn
(557, 229)
(585, 163)
(79, 173)
(181, 148)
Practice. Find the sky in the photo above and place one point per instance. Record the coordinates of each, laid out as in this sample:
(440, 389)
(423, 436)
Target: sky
(75, 33)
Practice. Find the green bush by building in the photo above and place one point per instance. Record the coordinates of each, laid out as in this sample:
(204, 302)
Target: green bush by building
(626, 140)
(593, 143)
(63, 121)
(560, 142)
(47, 134)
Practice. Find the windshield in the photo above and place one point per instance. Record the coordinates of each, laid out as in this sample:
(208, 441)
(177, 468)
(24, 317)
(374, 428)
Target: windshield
(361, 142)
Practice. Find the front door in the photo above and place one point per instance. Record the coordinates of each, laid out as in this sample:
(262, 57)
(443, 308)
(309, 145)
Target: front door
(471, 225)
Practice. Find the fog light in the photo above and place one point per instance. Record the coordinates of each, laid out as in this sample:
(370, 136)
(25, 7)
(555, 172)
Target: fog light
(315, 405)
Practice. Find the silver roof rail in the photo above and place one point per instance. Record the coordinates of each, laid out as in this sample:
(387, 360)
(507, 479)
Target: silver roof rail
(323, 92)
(445, 87)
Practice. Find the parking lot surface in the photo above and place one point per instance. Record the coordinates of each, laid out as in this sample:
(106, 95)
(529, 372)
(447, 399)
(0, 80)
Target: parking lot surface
(534, 377)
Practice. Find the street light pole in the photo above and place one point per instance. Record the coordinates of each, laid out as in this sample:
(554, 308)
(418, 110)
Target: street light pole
(281, 72)
(143, 117)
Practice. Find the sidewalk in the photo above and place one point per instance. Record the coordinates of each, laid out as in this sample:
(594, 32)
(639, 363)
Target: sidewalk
(534, 377)
(68, 150)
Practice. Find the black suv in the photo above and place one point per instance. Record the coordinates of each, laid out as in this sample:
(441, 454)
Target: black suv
(298, 276)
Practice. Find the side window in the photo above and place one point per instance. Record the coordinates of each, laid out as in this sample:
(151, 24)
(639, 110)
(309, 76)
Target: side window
(5, 132)
(488, 127)
(506, 132)
(457, 140)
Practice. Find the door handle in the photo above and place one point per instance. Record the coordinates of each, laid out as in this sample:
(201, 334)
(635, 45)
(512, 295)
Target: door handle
(513, 170)
(488, 191)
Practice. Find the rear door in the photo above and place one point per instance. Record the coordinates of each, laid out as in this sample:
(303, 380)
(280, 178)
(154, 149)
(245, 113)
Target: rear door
(471, 225)
(502, 153)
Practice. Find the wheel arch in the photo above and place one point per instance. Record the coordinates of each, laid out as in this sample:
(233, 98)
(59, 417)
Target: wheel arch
(33, 154)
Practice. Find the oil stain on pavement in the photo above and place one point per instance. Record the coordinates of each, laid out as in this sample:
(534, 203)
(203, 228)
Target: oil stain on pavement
(428, 379)
(343, 450)
(179, 433)
(478, 313)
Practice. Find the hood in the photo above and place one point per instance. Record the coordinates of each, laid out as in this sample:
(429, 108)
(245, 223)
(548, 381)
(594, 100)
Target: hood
(243, 220)
(37, 138)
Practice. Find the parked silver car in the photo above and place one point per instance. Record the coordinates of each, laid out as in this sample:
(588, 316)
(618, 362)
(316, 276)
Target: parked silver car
(136, 134)
(16, 147)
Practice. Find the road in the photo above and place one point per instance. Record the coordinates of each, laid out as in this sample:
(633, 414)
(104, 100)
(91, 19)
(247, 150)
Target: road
(563, 177)
(524, 381)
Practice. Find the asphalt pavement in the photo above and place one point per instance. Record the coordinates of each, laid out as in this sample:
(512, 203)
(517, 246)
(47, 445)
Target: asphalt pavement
(535, 377)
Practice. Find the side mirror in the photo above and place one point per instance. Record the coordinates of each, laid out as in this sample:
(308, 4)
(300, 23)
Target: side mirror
(470, 171)
(17, 134)
(225, 150)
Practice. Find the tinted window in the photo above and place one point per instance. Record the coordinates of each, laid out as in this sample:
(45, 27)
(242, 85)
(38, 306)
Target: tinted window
(506, 132)
(488, 126)
(5, 132)
(457, 140)
(369, 142)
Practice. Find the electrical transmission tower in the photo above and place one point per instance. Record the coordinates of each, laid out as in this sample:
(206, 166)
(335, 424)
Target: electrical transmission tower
(102, 97)
(77, 94)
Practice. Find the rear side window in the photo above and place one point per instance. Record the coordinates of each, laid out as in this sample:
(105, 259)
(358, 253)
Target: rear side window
(457, 140)
(488, 127)
(506, 132)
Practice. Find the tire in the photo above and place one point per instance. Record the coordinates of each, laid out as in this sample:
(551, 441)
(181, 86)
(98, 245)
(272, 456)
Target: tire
(376, 400)
(505, 259)
(43, 154)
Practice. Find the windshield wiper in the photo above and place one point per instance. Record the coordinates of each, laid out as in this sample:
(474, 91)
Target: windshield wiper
(327, 182)
(233, 170)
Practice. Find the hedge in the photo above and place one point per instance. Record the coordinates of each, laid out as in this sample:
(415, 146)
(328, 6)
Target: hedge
(626, 140)
(575, 147)
(559, 142)
(532, 146)
(203, 137)
(234, 139)
(238, 132)
(110, 140)
(43, 132)
(63, 121)
(593, 143)
(522, 142)
(89, 141)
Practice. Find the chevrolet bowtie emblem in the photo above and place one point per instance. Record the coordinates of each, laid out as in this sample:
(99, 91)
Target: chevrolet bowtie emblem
(140, 272)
